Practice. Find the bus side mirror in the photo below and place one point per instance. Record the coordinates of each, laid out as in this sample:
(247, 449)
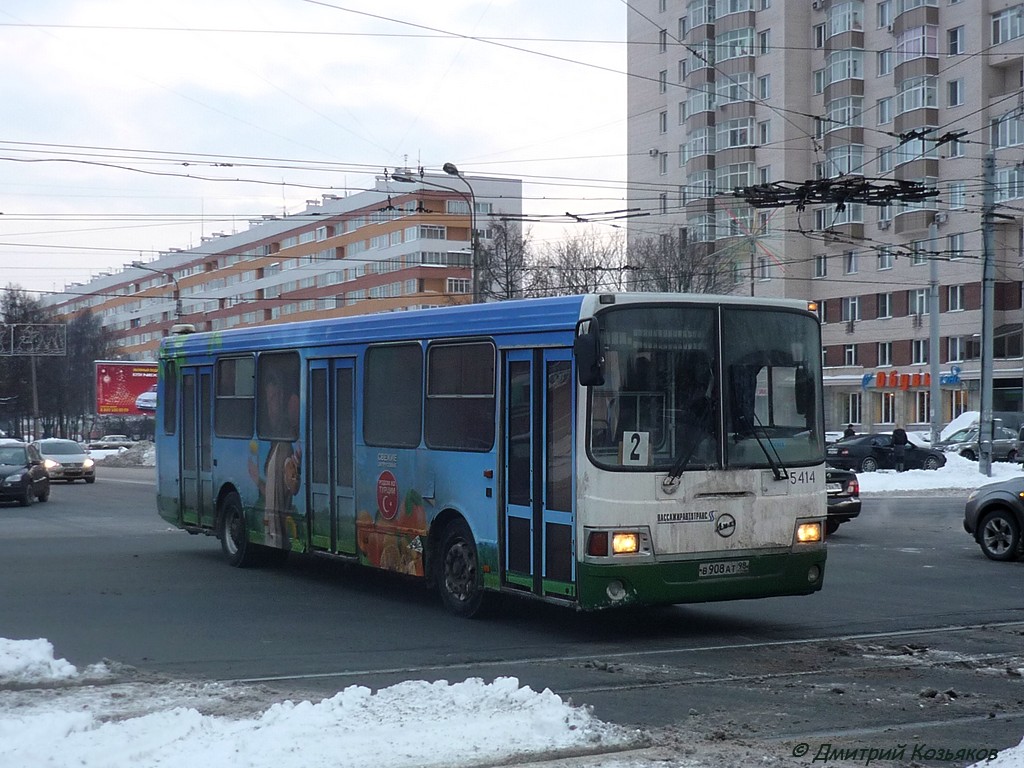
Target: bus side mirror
(804, 393)
(587, 350)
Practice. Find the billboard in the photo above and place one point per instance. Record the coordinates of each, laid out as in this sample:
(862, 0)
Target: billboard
(120, 385)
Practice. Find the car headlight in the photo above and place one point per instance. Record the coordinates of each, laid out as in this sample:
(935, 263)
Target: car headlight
(15, 479)
(50, 463)
(88, 463)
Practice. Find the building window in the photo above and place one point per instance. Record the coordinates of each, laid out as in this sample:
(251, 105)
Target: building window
(884, 60)
(916, 93)
(957, 194)
(764, 133)
(884, 108)
(734, 43)
(918, 301)
(955, 93)
(662, 40)
(955, 40)
(919, 351)
(735, 133)
(850, 263)
(1008, 25)
(922, 410)
(1008, 130)
(663, 122)
(819, 36)
(885, 354)
(959, 403)
(663, 81)
(764, 268)
(821, 265)
(844, 65)
(883, 13)
(764, 87)
(957, 148)
(852, 408)
(886, 407)
(684, 27)
(916, 42)
(956, 298)
(955, 349)
(886, 159)
(849, 354)
(884, 306)
(918, 253)
(851, 308)
(885, 258)
(955, 246)
(845, 17)
(764, 42)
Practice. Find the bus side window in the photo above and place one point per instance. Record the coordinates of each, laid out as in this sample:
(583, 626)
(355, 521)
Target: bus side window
(170, 397)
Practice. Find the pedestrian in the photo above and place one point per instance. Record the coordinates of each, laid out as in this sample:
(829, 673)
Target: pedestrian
(899, 446)
(849, 431)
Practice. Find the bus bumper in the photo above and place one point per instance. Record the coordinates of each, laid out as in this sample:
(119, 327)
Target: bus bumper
(699, 581)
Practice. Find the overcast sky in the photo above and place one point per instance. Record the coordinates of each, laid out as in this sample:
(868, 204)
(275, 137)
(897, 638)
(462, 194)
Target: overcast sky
(135, 127)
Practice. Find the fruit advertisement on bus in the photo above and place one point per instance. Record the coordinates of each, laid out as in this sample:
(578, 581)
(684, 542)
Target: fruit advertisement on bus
(122, 387)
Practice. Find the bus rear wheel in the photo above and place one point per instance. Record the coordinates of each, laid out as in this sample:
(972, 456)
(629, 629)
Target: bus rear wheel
(459, 578)
(234, 536)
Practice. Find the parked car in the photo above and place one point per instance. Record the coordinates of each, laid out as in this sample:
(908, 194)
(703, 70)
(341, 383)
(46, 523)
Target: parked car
(147, 400)
(866, 453)
(66, 460)
(111, 441)
(23, 478)
(843, 497)
(994, 516)
(967, 443)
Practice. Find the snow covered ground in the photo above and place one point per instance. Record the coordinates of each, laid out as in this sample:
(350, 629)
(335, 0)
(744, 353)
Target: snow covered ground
(53, 715)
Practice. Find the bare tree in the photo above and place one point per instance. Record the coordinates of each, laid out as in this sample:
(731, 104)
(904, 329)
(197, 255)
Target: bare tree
(581, 263)
(668, 263)
(503, 264)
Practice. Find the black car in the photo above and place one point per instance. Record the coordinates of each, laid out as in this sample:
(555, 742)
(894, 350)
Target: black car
(23, 478)
(994, 516)
(843, 497)
(866, 453)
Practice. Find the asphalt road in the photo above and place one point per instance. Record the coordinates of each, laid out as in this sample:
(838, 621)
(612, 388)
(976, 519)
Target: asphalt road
(915, 635)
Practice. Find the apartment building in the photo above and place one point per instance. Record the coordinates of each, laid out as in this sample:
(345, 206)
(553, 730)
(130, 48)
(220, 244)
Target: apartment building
(403, 245)
(726, 94)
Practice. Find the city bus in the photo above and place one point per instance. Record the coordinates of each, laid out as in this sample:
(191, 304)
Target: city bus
(593, 451)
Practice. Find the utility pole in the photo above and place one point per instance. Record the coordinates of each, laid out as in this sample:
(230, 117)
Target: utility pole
(934, 391)
(987, 301)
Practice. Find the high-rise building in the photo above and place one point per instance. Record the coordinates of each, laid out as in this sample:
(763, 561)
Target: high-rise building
(406, 244)
(727, 94)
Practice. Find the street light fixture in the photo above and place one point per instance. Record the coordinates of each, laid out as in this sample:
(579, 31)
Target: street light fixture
(177, 288)
(451, 170)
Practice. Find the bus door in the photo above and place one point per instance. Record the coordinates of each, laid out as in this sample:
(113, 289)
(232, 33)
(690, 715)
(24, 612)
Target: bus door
(330, 455)
(196, 480)
(539, 518)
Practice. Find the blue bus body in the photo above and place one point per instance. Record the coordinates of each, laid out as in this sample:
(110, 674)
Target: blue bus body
(456, 445)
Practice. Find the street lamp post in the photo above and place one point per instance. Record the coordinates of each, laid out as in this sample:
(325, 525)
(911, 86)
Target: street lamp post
(451, 170)
(177, 288)
(470, 199)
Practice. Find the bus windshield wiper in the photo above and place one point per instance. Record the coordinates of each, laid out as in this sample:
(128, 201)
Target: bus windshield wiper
(775, 462)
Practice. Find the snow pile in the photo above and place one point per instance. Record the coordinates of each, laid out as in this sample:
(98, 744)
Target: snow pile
(959, 474)
(142, 454)
(414, 723)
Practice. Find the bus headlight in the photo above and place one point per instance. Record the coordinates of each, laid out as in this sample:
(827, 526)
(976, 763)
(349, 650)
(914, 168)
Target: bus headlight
(625, 542)
(808, 533)
(609, 542)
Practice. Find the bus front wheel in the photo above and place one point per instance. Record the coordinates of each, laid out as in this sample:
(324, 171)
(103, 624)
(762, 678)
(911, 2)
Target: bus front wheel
(234, 538)
(460, 579)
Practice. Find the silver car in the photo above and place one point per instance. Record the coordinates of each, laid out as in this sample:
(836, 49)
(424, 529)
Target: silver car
(66, 460)
(1005, 446)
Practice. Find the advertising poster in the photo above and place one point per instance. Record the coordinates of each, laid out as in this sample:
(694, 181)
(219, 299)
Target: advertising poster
(125, 388)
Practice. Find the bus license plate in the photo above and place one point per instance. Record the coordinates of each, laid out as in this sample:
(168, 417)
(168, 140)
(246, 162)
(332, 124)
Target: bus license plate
(729, 568)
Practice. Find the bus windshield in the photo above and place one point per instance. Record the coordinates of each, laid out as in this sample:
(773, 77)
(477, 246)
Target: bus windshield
(680, 394)
(772, 366)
